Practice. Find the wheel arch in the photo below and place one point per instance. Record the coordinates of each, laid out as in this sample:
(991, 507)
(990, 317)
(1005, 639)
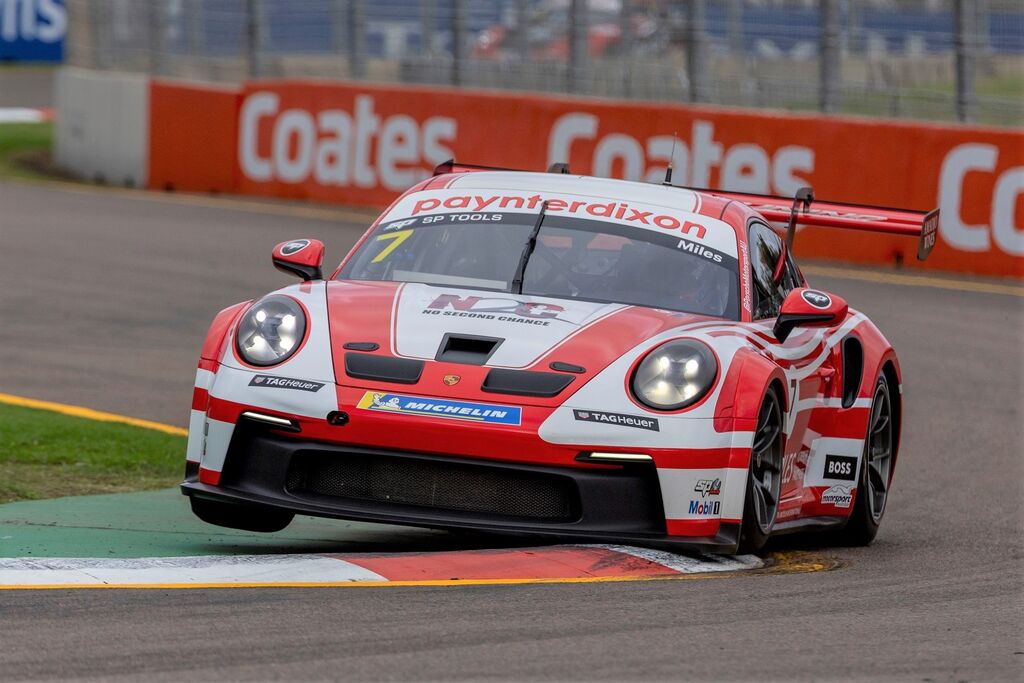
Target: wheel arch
(890, 369)
(217, 334)
(750, 376)
(880, 359)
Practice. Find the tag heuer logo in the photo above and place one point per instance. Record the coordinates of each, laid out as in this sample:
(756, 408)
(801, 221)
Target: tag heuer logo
(620, 419)
(452, 380)
(285, 383)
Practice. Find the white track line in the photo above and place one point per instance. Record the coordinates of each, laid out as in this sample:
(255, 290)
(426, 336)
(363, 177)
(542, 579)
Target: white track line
(282, 569)
(25, 571)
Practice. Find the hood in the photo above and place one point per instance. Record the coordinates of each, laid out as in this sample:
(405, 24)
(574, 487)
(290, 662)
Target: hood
(467, 332)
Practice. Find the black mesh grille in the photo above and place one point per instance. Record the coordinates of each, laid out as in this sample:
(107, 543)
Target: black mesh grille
(437, 485)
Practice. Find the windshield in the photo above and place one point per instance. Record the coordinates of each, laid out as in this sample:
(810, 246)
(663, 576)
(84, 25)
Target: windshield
(574, 258)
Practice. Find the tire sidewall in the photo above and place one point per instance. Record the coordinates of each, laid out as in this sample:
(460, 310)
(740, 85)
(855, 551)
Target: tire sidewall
(861, 526)
(752, 538)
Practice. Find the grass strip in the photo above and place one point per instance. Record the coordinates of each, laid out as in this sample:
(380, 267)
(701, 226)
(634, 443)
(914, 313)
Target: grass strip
(25, 150)
(47, 455)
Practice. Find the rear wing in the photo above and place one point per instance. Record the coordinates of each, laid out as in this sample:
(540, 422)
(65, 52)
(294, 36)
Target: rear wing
(804, 209)
(452, 166)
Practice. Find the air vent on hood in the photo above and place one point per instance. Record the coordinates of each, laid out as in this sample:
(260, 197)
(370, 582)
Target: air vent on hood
(467, 349)
(525, 382)
(383, 368)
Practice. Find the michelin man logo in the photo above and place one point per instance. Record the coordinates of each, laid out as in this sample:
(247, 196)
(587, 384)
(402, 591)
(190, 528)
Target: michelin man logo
(391, 404)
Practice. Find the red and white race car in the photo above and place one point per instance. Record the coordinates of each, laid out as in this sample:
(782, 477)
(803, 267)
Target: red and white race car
(561, 355)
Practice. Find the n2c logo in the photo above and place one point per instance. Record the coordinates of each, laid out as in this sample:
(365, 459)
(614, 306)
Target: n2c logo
(840, 467)
(526, 309)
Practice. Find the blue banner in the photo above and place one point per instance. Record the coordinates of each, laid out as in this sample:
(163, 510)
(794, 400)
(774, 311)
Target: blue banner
(439, 407)
(32, 30)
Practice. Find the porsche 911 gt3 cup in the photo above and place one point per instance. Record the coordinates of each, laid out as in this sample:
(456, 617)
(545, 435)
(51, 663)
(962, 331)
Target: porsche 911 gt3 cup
(559, 355)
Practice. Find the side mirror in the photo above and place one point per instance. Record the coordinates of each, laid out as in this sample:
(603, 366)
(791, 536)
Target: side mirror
(809, 308)
(300, 257)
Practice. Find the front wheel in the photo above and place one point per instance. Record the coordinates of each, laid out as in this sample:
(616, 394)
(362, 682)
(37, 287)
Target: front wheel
(875, 473)
(245, 517)
(764, 477)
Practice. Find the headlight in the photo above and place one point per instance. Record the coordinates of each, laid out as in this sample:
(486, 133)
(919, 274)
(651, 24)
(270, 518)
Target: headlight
(674, 375)
(271, 331)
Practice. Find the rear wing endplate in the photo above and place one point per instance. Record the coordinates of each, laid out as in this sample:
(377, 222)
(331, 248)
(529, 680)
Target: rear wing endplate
(804, 209)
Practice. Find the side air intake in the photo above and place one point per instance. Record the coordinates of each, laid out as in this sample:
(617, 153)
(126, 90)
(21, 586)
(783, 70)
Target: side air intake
(526, 382)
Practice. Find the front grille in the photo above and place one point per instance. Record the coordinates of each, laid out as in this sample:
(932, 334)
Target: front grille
(434, 484)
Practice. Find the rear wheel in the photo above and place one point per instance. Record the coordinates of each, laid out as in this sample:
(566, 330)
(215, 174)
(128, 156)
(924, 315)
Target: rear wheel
(764, 476)
(245, 517)
(875, 472)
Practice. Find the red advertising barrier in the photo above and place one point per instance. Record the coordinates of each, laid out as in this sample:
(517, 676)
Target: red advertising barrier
(361, 144)
(193, 132)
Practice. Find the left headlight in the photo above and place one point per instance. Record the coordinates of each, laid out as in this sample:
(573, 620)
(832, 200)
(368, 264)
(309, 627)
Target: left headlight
(675, 375)
(271, 331)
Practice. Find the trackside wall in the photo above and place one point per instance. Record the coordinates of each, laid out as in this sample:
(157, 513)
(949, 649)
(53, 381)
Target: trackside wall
(102, 130)
(362, 144)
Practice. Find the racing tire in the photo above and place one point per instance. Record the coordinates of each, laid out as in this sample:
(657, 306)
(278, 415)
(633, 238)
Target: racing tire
(875, 474)
(245, 517)
(764, 476)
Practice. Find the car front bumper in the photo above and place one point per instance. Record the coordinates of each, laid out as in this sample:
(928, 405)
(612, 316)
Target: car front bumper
(613, 504)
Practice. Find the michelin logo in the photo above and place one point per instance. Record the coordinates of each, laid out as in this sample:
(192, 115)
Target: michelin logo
(436, 407)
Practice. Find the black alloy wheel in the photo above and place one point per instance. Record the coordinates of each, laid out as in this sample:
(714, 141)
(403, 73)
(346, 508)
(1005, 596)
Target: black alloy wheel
(764, 476)
(875, 474)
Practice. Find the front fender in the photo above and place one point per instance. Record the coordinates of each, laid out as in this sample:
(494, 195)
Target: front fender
(213, 346)
(744, 387)
(206, 374)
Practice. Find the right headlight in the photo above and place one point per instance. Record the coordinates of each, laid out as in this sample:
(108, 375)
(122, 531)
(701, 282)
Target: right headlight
(271, 331)
(675, 375)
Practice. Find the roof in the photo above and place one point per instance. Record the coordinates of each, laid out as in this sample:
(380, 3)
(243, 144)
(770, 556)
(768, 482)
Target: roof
(589, 186)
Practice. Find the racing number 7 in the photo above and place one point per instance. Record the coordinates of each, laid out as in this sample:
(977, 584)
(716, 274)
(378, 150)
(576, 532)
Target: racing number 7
(396, 239)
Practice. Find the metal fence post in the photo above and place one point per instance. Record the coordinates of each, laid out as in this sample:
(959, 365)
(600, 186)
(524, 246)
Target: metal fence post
(522, 38)
(426, 27)
(982, 32)
(157, 21)
(356, 39)
(196, 41)
(830, 59)
(578, 30)
(966, 41)
(736, 27)
(458, 41)
(99, 34)
(339, 26)
(626, 44)
(254, 37)
(855, 19)
(697, 50)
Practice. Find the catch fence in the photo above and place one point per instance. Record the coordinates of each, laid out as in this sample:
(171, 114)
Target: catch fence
(925, 59)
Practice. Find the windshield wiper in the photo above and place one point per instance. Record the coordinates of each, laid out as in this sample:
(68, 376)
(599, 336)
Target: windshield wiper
(531, 244)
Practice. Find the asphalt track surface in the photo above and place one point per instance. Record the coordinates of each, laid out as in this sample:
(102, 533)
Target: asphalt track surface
(26, 86)
(105, 299)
